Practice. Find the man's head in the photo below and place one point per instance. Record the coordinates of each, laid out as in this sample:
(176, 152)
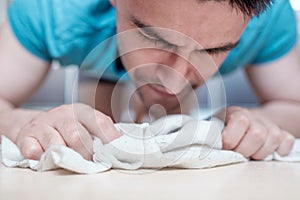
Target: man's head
(248, 7)
(175, 46)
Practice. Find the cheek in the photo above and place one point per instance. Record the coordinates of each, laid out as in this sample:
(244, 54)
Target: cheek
(205, 66)
(215, 64)
(142, 58)
(138, 62)
(219, 59)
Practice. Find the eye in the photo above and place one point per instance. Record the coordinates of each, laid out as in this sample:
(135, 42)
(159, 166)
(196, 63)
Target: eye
(157, 42)
(218, 51)
(213, 52)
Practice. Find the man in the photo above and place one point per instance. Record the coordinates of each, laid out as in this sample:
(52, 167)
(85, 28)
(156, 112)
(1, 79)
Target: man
(260, 38)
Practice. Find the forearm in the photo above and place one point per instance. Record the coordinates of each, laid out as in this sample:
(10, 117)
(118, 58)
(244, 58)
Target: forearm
(12, 119)
(285, 114)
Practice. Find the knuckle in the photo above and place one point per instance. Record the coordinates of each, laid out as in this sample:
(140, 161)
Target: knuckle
(34, 123)
(227, 141)
(31, 151)
(290, 139)
(233, 116)
(38, 119)
(61, 109)
(75, 138)
(239, 117)
(82, 107)
(228, 145)
(29, 127)
(33, 126)
(258, 134)
(69, 126)
(104, 120)
(286, 145)
(71, 129)
(243, 120)
(276, 134)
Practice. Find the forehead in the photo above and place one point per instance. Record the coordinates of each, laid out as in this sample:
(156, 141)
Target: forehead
(206, 22)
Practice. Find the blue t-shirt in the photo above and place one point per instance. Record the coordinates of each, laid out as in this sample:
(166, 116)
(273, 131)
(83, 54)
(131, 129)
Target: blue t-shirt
(69, 30)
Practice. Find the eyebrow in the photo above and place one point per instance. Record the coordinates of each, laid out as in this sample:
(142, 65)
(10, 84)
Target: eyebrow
(148, 29)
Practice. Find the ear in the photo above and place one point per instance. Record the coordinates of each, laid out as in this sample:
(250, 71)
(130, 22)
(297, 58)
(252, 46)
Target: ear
(113, 2)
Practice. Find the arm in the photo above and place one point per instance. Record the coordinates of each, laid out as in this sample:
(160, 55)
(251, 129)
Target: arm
(272, 126)
(277, 85)
(32, 130)
(21, 74)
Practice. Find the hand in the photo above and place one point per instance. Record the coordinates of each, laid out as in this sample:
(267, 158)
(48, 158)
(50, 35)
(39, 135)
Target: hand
(253, 135)
(69, 125)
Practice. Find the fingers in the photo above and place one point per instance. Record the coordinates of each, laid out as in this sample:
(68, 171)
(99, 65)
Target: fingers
(253, 140)
(32, 145)
(270, 145)
(286, 144)
(97, 124)
(259, 142)
(30, 148)
(48, 135)
(107, 131)
(69, 125)
(76, 137)
(254, 136)
(239, 124)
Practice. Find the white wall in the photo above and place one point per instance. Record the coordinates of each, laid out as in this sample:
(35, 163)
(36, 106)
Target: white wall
(2, 9)
(60, 87)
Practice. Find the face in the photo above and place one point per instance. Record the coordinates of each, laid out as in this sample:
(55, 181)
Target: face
(170, 47)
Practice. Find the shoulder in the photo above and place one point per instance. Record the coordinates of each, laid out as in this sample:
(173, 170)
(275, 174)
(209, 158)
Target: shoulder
(52, 28)
(266, 38)
(278, 32)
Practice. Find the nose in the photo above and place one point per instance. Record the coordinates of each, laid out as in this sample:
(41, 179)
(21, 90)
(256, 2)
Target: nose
(181, 65)
(175, 74)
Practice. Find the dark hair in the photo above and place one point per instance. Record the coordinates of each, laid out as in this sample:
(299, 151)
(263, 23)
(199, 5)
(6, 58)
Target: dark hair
(248, 7)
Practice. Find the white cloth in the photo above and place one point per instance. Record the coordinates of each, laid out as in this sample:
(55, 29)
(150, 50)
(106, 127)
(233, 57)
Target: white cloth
(173, 141)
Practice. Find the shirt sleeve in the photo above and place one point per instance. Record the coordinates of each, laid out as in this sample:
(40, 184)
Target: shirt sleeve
(281, 34)
(25, 18)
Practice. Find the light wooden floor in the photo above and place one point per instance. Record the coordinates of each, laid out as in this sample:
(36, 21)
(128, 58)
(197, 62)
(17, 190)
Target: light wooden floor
(253, 180)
